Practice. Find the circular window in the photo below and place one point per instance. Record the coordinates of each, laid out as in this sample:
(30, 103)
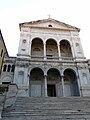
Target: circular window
(24, 40)
(49, 25)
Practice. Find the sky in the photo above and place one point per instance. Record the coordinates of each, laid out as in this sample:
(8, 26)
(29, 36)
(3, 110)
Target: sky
(72, 12)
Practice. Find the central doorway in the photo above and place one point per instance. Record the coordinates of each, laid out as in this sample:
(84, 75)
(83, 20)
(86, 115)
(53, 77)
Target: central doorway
(51, 90)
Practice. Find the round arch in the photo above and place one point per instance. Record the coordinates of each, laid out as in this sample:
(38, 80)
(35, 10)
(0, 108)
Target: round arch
(51, 39)
(51, 48)
(53, 68)
(53, 82)
(36, 82)
(70, 83)
(66, 40)
(65, 48)
(37, 70)
(69, 68)
(35, 37)
(32, 68)
(6, 79)
(37, 47)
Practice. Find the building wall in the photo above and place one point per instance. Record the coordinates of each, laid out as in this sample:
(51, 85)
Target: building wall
(49, 59)
(36, 43)
(3, 51)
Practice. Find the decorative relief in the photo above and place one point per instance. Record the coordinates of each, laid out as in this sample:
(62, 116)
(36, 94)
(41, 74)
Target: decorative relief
(23, 34)
(81, 67)
(52, 33)
(84, 78)
(22, 64)
(78, 48)
(78, 39)
(75, 34)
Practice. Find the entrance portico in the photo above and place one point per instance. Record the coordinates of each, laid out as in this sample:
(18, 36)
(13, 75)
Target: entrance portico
(53, 84)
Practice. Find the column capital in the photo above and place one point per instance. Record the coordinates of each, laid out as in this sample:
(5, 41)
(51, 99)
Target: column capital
(58, 43)
(62, 75)
(45, 75)
(44, 43)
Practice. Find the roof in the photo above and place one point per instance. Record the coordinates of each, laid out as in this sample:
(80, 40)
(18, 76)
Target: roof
(46, 20)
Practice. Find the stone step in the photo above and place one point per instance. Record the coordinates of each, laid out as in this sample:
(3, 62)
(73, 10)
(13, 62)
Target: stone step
(46, 118)
(52, 108)
(48, 113)
(52, 103)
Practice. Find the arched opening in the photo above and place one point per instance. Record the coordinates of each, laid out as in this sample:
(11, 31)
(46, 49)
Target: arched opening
(65, 49)
(37, 48)
(7, 80)
(13, 68)
(9, 68)
(70, 82)
(51, 48)
(36, 82)
(4, 68)
(53, 82)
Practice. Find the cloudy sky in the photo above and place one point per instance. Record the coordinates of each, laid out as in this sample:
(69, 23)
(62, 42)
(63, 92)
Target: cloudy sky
(73, 12)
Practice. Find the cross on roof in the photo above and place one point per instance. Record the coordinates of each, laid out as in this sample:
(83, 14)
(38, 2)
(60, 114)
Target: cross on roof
(49, 16)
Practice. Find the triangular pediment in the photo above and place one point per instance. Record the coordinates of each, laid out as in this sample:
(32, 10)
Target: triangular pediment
(49, 23)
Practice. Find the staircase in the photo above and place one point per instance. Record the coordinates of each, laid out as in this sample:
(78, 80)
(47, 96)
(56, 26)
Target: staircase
(48, 108)
(2, 102)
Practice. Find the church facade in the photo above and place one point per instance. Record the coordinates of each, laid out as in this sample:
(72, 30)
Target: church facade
(50, 61)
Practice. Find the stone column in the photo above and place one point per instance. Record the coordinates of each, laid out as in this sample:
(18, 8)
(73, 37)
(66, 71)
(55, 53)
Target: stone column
(59, 51)
(72, 51)
(29, 85)
(79, 86)
(30, 49)
(45, 85)
(44, 51)
(62, 82)
(6, 68)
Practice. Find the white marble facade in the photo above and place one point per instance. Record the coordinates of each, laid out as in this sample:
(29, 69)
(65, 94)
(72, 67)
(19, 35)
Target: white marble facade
(50, 61)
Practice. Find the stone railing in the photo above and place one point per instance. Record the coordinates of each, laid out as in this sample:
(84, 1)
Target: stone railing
(7, 96)
(3, 90)
(37, 57)
(52, 58)
(66, 54)
(11, 95)
(2, 102)
(67, 58)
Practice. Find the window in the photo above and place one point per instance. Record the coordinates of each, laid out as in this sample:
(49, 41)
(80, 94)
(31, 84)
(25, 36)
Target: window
(6, 83)
(4, 68)
(13, 67)
(9, 67)
(1, 52)
(49, 25)
(23, 49)
(24, 40)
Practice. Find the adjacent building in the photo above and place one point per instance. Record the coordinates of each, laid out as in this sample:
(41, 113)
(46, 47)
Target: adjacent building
(3, 51)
